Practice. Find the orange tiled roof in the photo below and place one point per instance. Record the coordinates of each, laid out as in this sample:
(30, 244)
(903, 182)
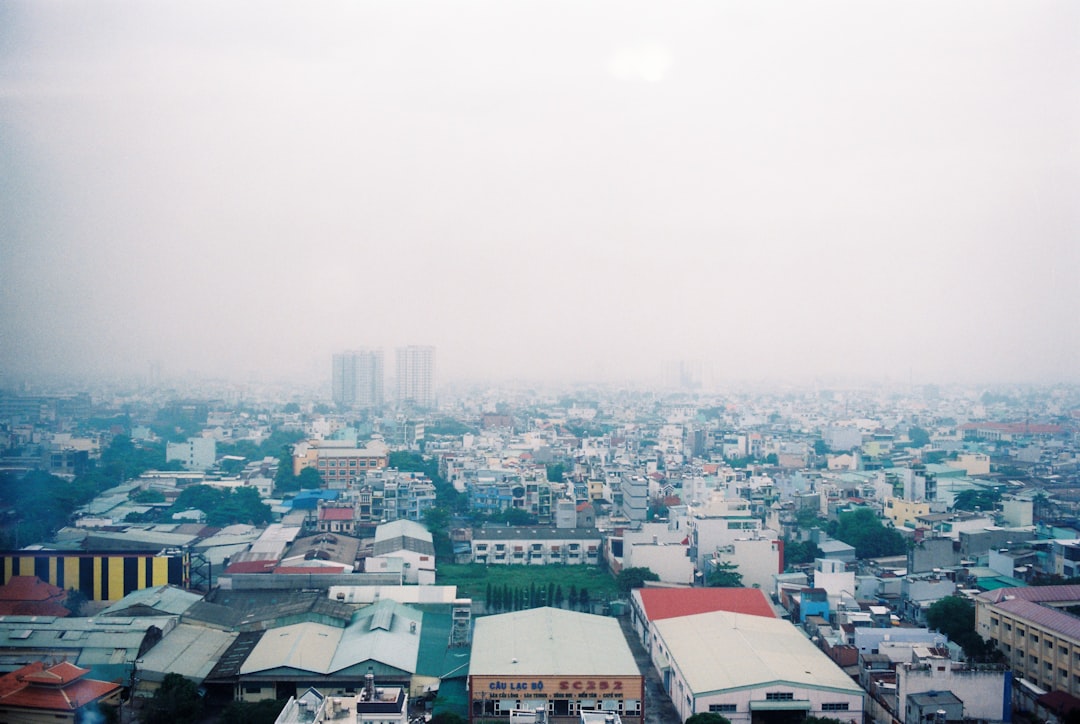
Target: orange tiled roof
(57, 688)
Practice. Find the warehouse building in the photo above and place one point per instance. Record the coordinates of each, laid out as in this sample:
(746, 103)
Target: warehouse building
(750, 668)
(562, 662)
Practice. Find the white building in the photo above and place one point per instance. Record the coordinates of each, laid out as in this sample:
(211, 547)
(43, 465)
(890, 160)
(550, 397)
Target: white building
(738, 665)
(198, 453)
(410, 542)
(536, 545)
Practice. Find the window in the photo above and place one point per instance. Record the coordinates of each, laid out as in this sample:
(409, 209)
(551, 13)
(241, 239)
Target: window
(1008, 627)
(835, 706)
(1034, 638)
(779, 696)
(722, 708)
(993, 621)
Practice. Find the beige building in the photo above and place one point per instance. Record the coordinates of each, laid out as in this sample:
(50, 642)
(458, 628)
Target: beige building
(1040, 641)
(904, 512)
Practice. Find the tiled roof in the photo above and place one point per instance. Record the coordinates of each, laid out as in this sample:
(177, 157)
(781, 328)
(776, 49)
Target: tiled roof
(661, 603)
(30, 588)
(58, 688)
(335, 514)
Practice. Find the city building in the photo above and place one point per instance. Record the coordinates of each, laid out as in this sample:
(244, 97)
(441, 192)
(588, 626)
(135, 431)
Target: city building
(536, 545)
(1040, 641)
(561, 662)
(747, 667)
(198, 453)
(357, 378)
(416, 376)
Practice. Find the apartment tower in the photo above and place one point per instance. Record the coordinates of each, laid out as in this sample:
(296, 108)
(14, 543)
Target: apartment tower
(357, 378)
(416, 376)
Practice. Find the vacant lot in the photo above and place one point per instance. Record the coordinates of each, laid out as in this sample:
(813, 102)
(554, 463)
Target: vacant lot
(473, 582)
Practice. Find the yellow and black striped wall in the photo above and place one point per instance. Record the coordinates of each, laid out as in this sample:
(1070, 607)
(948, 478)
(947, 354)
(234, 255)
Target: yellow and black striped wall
(105, 576)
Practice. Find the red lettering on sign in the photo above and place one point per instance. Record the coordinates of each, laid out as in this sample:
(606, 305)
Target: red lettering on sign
(603, 686)
(564, 685)
(618, 685)
(577, 686)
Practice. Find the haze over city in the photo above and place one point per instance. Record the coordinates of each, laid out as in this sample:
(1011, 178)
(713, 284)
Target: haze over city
(554, 190)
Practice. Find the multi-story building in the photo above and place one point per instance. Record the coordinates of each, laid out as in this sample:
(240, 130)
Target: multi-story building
(529, 545)
(1040, 641)
(357, 378)
(339, 463)
(198, 453)
(416, 376)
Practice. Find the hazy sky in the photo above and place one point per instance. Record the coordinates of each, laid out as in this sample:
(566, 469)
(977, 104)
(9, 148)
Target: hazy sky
(542, 188)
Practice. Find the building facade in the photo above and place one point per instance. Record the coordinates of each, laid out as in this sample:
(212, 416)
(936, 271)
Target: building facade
(357, 378)
(416, 376)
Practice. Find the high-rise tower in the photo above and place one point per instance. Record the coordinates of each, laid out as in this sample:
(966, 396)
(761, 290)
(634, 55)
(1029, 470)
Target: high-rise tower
(416, 376)
(357, 378)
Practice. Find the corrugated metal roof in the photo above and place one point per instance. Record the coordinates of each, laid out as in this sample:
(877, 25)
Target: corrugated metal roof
(189, 650)
(550, 641)
(1048, 618)
(661, 603)
(723, 650)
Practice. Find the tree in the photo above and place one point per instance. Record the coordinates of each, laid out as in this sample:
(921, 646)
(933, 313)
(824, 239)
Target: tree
(309, 479)
(448, 717)
(631, 578)
(260, 712)
(800, 551)
(820, 448)
(918, 436)
(555, 472)
(75, 601)
(976, 500)
(862, 529)
(726, 575)
(954, 616)
(583, 599)
(177, 701)
(772, 459)
(707, 717)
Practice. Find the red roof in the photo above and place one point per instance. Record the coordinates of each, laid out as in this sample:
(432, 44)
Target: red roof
(58, 688)
(335, 513)
(251, 567)
(30, 588)
(661, 603)
(294, 570)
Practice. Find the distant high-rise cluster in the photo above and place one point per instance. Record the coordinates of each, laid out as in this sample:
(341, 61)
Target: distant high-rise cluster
(416, 376)
(357, 378)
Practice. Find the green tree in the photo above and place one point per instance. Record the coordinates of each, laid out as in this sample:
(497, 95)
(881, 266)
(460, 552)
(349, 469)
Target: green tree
(918, 436)
(555, 472)
(260, 712)
(149, 495)
(725, 575)
(820, 448)
(797, 552)
(309, 479)
(177, 701)
(707, 717)
(976, 500)
(583, 599)
(862, 529)
(631, 578)
(448, 717)
(954, 616)
(772, 459)
(75, 601)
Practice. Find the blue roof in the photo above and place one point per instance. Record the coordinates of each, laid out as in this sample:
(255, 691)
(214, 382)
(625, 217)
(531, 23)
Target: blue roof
(309, 499)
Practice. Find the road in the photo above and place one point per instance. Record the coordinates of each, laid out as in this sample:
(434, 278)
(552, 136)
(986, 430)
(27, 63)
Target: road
(658, 706)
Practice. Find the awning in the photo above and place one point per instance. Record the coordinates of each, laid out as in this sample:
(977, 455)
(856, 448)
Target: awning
(780, 705)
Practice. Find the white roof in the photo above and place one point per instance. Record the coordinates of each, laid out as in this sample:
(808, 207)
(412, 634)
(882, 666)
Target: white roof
(723, 650)
(191, 651)
(399, 528)
(550, 642)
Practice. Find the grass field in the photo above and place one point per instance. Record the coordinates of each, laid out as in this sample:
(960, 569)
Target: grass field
(472, 580)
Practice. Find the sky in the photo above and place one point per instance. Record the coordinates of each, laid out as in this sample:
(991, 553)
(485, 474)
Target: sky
(550, 190)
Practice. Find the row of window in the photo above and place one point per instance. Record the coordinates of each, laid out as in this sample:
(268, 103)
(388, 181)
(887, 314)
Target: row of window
(732, 708)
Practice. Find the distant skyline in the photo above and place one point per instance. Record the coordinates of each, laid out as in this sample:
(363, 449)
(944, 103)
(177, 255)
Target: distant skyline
(542, 191)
